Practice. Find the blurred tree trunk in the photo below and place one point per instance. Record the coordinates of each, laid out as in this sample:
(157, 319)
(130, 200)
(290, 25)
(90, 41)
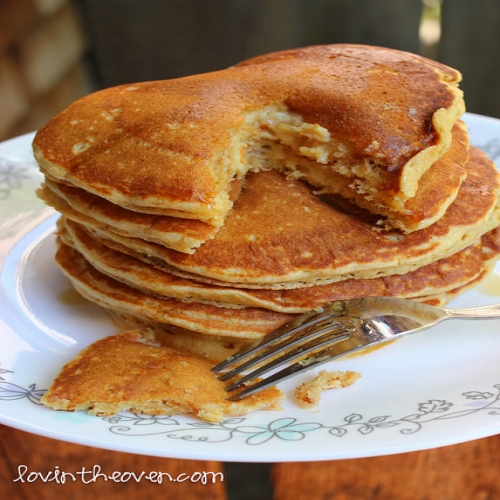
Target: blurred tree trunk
(470, 42)
(136, 40)
(387, 23)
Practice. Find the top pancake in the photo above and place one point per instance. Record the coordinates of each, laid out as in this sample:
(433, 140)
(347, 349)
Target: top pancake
(172, 147)
(438, 188)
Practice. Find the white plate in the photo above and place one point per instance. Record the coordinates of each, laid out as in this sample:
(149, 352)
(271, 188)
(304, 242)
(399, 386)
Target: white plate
(437, 388)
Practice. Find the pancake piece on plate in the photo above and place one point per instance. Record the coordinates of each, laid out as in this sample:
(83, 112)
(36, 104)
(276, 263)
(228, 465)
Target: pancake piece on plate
(123, 372)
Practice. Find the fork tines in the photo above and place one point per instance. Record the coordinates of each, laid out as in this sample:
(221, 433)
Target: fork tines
(308, 335)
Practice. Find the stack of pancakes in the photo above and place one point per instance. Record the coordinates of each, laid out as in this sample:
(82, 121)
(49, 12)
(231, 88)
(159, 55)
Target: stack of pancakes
(216, 207)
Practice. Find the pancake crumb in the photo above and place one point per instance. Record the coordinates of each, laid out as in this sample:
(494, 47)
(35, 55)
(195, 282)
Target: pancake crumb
(308, 394)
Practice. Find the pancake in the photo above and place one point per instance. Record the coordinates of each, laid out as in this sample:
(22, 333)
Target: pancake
(439, 277)
(124, 372)
(227, 319)
(437, 189)
(288, 238)
(377, 116)
(183, 235)
(216, 349)
(443, 298)
(247, 323)
(381, 90)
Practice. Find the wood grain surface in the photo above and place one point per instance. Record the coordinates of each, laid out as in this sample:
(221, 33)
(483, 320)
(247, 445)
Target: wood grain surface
(40, 454)
(467, 471)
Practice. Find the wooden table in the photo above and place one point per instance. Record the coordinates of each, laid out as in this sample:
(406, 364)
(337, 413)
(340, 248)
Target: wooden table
(468, 471)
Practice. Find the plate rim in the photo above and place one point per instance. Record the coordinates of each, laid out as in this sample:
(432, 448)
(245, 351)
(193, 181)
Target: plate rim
(214, 454)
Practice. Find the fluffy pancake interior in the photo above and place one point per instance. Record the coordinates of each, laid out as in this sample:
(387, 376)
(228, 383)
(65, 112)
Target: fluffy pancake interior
(308, 151)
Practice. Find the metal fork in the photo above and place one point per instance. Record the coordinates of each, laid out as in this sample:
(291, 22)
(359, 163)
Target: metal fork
(340, 328)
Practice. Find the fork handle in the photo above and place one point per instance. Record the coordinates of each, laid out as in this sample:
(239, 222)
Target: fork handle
(492, 311)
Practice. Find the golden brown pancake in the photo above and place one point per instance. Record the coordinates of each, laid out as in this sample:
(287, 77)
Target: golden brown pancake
(183, 235)
(437, 188)
(439, 277)
(123, 372)
(289, 238)
(232, 320)
(441, 299)
(216, 348)
(173, 147)
(367, 107)
(247, 323)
